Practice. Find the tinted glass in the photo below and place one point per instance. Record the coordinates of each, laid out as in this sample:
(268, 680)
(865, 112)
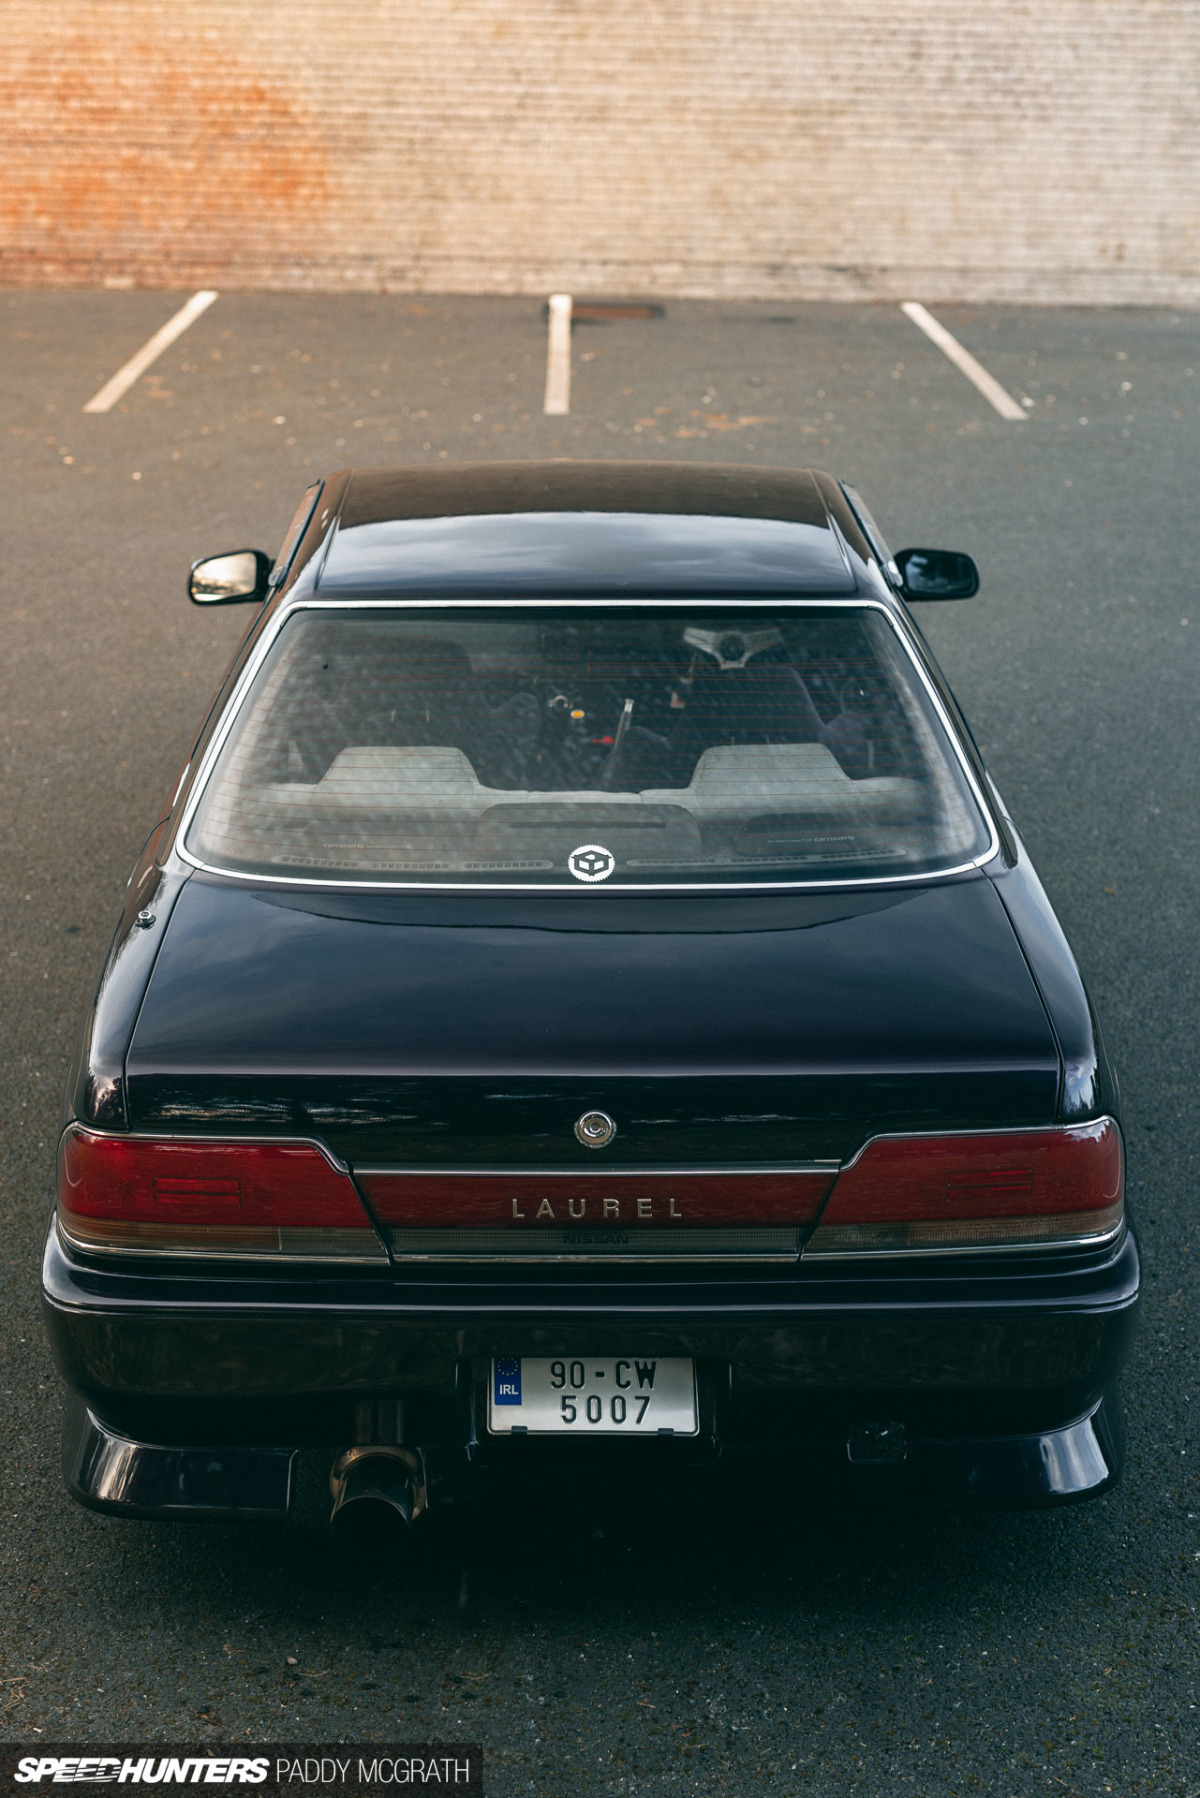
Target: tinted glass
(640, 746)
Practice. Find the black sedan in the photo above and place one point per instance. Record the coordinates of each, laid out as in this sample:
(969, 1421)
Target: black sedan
(585, 1004)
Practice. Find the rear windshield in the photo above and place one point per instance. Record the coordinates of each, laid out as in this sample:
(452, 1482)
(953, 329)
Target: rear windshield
(574, 747)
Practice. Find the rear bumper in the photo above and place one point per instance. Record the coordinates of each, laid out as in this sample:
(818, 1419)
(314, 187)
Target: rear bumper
(112, 1473)
(968, 1362)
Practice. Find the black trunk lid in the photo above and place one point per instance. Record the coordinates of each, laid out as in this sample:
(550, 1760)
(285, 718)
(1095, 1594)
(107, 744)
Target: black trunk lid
(446, 1031)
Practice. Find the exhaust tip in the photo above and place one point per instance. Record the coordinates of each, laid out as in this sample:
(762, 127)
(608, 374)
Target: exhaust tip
(378, 1494)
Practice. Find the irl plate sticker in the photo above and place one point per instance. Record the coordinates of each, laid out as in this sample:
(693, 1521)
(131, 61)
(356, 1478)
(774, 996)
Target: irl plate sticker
(506, 1382)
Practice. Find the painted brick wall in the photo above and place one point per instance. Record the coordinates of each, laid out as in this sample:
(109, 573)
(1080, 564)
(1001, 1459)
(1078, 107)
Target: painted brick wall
(1021, 149)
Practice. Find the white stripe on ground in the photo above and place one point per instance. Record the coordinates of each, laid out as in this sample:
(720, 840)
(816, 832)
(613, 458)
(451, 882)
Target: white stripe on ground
(558, 356)
(987, 384)
(137, 365)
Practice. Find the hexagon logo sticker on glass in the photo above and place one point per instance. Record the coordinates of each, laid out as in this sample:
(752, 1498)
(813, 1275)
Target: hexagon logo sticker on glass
(591, 862)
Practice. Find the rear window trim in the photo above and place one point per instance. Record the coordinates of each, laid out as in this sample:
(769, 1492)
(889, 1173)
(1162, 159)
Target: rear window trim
(715, 603)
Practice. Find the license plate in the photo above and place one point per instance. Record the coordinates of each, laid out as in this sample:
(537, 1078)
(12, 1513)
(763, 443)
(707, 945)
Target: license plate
(592, 1396)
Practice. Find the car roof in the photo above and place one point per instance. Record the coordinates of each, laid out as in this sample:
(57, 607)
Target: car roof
(578, 529)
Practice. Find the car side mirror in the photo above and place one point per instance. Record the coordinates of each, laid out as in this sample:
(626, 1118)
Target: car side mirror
(937, 574)
(230, 580)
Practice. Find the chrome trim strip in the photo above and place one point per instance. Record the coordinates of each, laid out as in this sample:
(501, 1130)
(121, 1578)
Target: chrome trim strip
(242, 878)
(729, 1243)
(852, 602)
(464, 1258)
(1049, 1246)
(592, 1172)
(597, 602)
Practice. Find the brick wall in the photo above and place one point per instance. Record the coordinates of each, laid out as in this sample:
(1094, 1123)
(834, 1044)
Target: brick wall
(1013, 149)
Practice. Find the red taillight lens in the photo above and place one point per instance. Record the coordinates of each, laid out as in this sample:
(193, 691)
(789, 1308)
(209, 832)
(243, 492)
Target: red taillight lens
(283, 1200)
(1027, 1188)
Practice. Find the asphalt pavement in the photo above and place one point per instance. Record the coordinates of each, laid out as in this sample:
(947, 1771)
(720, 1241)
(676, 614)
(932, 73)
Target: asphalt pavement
(642, 1641)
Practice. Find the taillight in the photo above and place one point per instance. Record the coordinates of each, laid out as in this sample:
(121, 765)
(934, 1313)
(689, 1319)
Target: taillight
(1025, 1188)
(281, 1200)
(706, 1214)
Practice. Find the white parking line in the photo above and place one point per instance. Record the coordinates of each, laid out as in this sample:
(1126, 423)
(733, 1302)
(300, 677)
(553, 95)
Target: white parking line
(987, 384)
(558, 356)
(137, 365)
